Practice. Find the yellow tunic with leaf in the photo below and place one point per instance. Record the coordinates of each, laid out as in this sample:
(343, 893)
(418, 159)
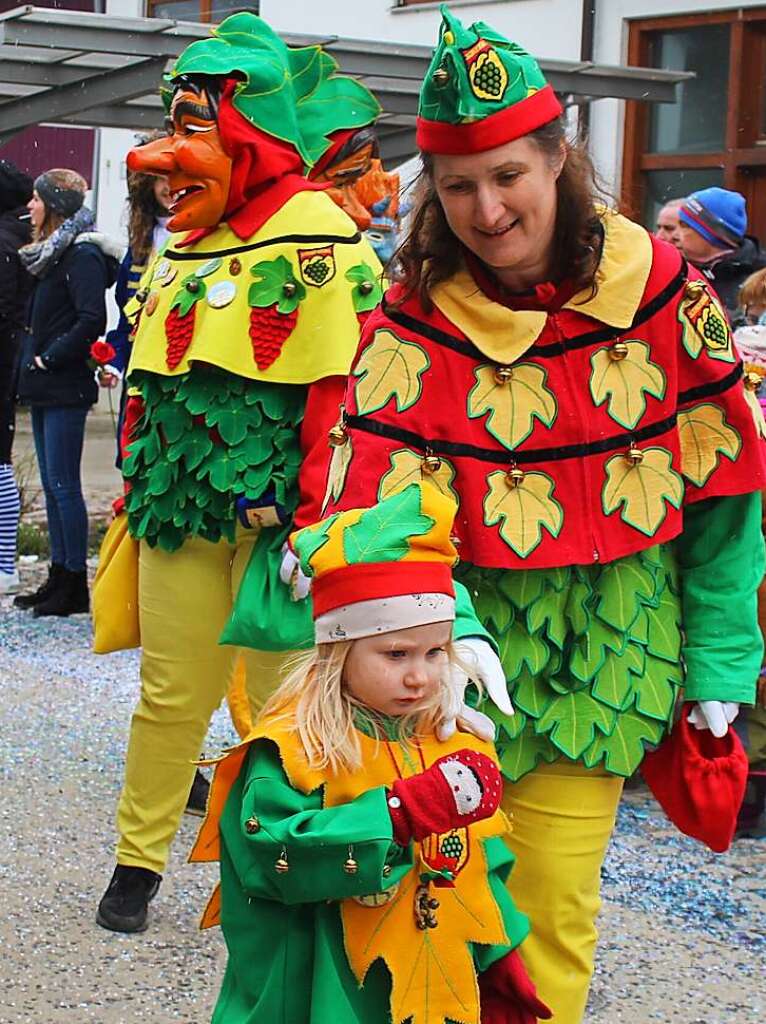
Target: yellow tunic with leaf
(333, 934)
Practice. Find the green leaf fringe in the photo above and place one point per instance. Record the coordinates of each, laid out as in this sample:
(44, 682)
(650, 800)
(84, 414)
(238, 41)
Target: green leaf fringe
(206, 438)
(592, 658)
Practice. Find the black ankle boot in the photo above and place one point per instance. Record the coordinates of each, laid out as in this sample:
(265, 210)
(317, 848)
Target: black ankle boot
(125, 904)
(69, 598)
(198, 794)
(55, 574)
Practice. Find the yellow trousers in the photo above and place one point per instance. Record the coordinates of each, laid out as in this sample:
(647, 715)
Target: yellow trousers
(562, 816)
(185, 599)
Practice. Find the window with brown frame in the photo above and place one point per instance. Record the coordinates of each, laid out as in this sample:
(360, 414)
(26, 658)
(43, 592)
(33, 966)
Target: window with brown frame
(715, 134)
(198, 10)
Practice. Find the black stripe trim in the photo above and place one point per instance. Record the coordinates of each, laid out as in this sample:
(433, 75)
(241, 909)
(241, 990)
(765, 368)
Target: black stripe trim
(523, 457)
(316, 240)
(557, 348)
(715, 387)
(426, 330)
(546, 351)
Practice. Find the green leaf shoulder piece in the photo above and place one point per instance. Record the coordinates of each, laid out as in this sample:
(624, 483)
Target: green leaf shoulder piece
(389, 367)
(514, 403)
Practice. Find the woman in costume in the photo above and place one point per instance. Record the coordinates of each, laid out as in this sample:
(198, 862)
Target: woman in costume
(362, 860)
(573, 383)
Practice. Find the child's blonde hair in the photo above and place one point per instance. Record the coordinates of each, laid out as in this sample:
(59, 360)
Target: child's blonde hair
(753, 290)
(325, 714)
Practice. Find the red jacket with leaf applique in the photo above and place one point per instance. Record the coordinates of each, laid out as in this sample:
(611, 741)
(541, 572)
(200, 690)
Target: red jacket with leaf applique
(570, 435)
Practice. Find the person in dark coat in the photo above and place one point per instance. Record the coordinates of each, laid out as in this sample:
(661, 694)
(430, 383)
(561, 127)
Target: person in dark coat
(73, 266)
(15, 192)
(712, 225)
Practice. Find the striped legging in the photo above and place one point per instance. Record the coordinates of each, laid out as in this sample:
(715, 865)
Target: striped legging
(10, 506)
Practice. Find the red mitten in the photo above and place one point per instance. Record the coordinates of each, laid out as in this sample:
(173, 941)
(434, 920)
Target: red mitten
(508, 995)
(454, 792)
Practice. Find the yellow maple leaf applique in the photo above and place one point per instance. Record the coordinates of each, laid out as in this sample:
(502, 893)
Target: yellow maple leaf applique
(433, 978)
(626, 381)
(389, 367)
(705, 324)
(407, 468)
(704, 433)
(643, 488)
(513, 404)
(337, 473)
(523, 509)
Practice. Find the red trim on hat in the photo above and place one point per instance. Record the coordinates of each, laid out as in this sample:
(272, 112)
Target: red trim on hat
(506, 125)
(377, 580)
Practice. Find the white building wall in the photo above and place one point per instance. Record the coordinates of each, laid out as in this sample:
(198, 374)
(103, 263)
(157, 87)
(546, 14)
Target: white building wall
(547, 27)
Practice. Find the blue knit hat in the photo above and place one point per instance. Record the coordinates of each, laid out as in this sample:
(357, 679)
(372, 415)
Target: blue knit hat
(718, 215)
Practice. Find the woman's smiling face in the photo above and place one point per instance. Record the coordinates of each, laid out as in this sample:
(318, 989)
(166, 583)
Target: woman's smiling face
(501, 204)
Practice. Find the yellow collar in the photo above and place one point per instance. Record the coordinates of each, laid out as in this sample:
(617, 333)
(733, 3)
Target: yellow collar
(503, 334)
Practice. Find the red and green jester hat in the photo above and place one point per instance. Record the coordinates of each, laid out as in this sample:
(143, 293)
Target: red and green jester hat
(601, 445)
(247, 322)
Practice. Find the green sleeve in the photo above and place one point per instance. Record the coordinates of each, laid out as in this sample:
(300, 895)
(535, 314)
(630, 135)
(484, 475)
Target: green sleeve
(466, 621)
(499, 863)
(316, 842)
(720, 556)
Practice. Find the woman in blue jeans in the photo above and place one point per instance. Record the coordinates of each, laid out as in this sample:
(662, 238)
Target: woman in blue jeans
(73, 266)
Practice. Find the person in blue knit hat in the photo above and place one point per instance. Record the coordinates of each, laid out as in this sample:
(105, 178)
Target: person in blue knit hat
(713, 226)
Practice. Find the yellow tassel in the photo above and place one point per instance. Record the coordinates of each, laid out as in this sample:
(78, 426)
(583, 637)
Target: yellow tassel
(757, 411)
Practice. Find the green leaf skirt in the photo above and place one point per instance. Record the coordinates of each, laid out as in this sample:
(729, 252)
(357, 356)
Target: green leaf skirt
(591, 655)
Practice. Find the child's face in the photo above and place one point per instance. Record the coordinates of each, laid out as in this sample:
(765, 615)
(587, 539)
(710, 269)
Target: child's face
(394, 673)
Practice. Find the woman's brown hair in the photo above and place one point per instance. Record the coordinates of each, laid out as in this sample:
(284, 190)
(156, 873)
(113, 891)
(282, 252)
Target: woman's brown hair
(61, 177)
(143, 209)
(431, 253)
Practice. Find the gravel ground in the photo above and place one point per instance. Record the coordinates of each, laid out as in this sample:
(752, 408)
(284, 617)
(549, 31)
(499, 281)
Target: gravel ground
(682, 930)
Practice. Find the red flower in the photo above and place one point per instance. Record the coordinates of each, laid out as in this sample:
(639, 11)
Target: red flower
(102, 352)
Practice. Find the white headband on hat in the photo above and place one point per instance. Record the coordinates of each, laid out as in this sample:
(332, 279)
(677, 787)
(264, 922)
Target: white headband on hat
(383, 615)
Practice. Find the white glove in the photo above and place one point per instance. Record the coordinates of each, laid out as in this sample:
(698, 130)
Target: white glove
(482, 665)
(291, 574)
(714, 715)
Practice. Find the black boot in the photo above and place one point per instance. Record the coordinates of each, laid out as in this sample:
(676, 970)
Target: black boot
(55, 574)
(69, 598)
(197, 802)
(125, 904)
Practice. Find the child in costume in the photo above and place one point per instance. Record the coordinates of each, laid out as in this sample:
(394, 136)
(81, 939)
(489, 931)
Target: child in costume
(362, 860)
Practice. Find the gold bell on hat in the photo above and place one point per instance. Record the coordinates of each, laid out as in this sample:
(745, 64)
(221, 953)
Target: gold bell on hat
(289, 288)
(280, 865)
(337, 436)
(440, 76)
(693, 289)
(752, 381)
(634, 455)
(350, 867)
(618, 351)
(503, 374)
(514, 476)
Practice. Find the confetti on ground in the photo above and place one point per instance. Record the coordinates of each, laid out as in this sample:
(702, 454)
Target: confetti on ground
(682, 930)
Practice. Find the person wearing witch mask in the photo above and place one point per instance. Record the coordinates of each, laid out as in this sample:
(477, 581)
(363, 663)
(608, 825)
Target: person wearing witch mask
(574, 384)
(245, 326)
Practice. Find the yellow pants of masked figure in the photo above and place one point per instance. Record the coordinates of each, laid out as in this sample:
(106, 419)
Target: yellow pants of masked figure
(185, 599)
(562, 817)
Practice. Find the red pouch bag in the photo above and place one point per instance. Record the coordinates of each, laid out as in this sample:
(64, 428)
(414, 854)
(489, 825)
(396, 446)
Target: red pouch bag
(699, 781)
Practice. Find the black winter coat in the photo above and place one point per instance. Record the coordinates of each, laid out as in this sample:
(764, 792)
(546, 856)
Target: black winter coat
(15, 286)
(67, 313)
(730, 273)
